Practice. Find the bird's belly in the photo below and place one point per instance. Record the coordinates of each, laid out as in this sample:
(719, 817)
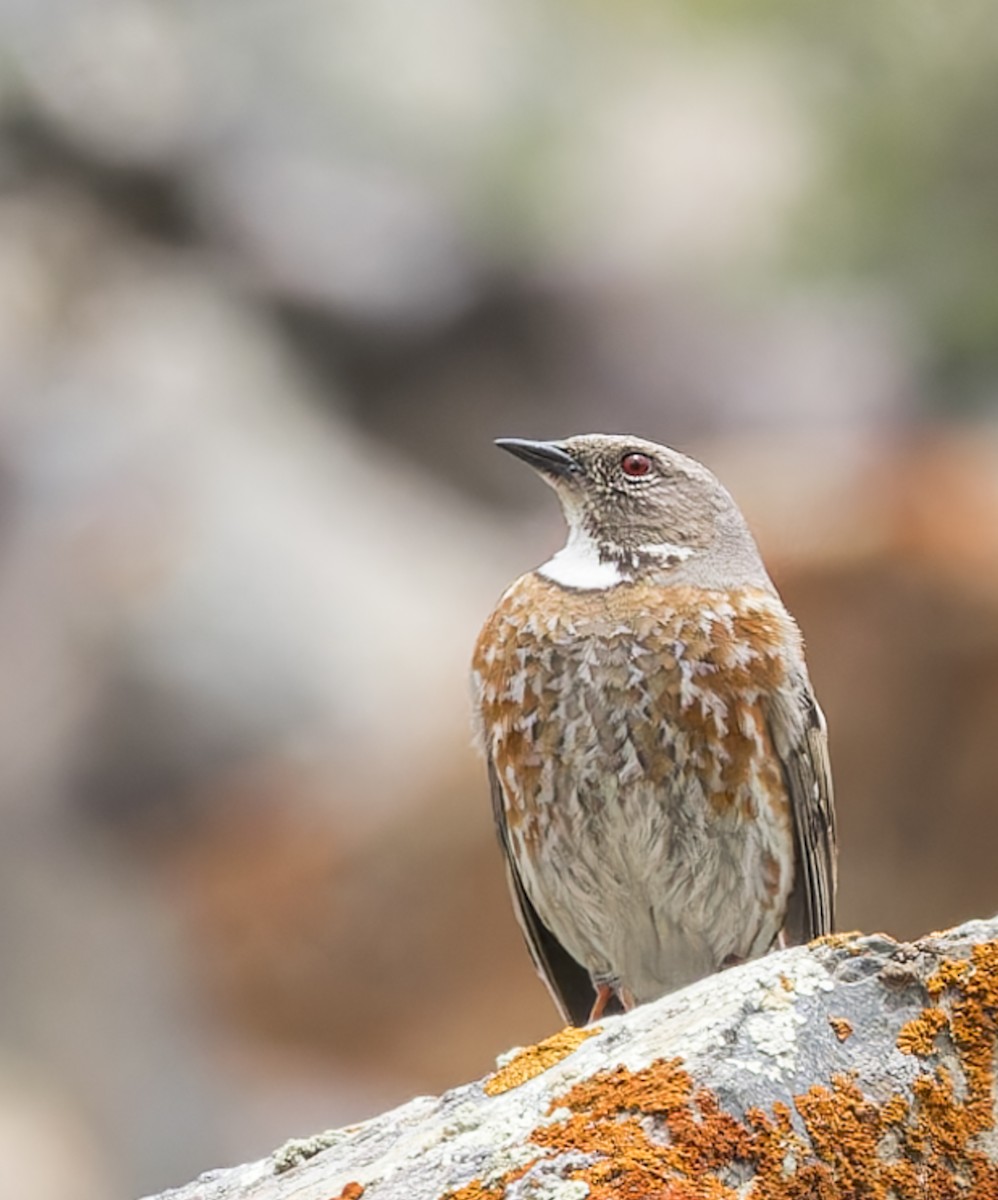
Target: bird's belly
(656, 889)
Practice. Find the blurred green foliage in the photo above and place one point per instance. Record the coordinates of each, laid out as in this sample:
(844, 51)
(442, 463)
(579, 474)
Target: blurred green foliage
(904, 99)
(907, 195)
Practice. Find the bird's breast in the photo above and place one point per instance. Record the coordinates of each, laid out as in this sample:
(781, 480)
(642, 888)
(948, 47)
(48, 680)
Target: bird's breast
(590, 701)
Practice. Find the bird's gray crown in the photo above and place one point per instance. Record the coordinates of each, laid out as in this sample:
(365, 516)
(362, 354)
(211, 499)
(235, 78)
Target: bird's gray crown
(636, 509)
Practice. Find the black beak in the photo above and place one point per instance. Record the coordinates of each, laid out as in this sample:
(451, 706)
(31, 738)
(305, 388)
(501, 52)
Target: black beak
(547, 457)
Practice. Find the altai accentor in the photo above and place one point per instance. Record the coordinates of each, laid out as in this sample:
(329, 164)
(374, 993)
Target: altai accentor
(658, 762)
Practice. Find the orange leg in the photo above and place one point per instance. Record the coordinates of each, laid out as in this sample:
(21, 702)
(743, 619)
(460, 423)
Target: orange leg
(604, 994)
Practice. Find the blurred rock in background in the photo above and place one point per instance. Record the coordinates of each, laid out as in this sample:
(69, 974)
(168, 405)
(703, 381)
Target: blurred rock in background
(272, 276)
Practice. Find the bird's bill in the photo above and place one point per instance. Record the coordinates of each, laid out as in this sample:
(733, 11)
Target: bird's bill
(550, 458)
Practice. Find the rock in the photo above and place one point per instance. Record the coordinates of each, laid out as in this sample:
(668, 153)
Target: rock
(856, 1065)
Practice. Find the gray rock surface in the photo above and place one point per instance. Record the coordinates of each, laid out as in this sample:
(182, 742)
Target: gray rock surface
(857, 1058)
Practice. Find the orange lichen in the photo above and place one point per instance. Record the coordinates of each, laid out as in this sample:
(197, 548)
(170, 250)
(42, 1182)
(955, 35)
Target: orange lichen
(844, 1128)
(839, 941)
(944, 1128)
(973, 1024)
(894, 1110)
(919, 1035)
(351, 1191)
(652, 1133)
(842, 1028)
(477, 1191)
(607, 1121)
(533, 1061)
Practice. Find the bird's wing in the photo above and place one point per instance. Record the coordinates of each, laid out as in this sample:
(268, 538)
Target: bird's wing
(567, 980)
(797, 729)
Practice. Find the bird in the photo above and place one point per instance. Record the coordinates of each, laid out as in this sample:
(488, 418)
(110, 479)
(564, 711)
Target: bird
(657, 760)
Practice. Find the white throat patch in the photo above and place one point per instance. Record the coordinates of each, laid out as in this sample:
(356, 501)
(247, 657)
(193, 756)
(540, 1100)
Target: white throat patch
(578, 565)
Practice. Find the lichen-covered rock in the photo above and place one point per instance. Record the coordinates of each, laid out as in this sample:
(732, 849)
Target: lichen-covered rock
(857, 1066)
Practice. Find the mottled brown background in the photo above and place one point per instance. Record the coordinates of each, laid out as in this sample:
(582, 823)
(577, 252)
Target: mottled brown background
(272, 276)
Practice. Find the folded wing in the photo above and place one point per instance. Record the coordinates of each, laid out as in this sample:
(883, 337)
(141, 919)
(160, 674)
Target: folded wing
(565, 978)
(798, 732)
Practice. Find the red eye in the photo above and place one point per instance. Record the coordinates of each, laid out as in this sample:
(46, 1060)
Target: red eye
(635, 465)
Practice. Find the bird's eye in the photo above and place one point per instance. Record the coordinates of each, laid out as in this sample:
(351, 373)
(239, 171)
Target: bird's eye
(635, 465)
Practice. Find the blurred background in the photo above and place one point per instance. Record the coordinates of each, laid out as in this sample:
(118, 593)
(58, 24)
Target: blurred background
(272, 276)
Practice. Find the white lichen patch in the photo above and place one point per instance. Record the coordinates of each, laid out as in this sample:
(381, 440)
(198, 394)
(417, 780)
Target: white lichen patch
(509, 1159)
(809, 978)
(773, 1027)
(773, 1034)
(462, 1120)
(298, 1150)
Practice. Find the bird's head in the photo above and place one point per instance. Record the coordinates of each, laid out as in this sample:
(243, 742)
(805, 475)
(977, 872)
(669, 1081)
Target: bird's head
(634, 507)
